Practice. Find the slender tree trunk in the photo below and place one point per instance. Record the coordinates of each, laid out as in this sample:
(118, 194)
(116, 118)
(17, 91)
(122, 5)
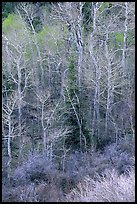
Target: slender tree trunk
(19, 107)
(79, 42)
(116, 133)
(132, 113)
(43, 128)
(36, 43)
(9, 147)
(132, 126)
(124, 46)
(96, 111)
(36, 85)
(38, 51)
(98, 106)
(51, 152)
(71, 40)
(110, 87)
(125, 35)
(34, 68)
(36, 79)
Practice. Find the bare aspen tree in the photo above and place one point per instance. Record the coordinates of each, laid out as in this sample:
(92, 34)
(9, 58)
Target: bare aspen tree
(18, 76)
(132, 111)
(79, 40)
(96, 114)
(28, 9)
(8, 108)
(33, 61)
(69, 19)
(45, 121)
(76, 30)
(17, 61)
(124, 56)
(19, 99)
(71, 14)
(110, 87)
(30, 15)
(42, 98)
(125, 35)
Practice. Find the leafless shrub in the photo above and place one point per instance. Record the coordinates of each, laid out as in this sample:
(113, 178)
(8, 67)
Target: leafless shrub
(110, 188)
(27, 193)
(33, 193)
(36, 169)
(121, 158)
(48, 193)
(5, 194)
(127, 145)
(24, 193)
(39, 193)
(80, 165)
(42, 179)
(39, 179)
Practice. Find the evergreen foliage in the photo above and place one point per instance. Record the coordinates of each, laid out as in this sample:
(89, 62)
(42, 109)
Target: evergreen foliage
(8, 8)
(87, 16)
(73, 101)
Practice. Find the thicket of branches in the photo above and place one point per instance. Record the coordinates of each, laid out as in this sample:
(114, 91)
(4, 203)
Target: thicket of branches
(68, 80)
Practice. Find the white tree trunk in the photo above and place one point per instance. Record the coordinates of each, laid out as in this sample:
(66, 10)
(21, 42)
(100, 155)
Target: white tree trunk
(79, 41)
(19, 107)
(38, 51)
(9, 147)
(96, 112)
(125, 35)
(110, 87)
(43, 127)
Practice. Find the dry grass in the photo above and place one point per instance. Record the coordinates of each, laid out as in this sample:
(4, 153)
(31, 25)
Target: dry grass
(109, 188)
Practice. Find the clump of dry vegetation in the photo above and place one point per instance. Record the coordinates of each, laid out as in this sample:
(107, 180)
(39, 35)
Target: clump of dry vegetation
(92, 176)
(111, 187)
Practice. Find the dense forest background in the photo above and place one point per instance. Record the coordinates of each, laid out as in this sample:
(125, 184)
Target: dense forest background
(68, 101)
